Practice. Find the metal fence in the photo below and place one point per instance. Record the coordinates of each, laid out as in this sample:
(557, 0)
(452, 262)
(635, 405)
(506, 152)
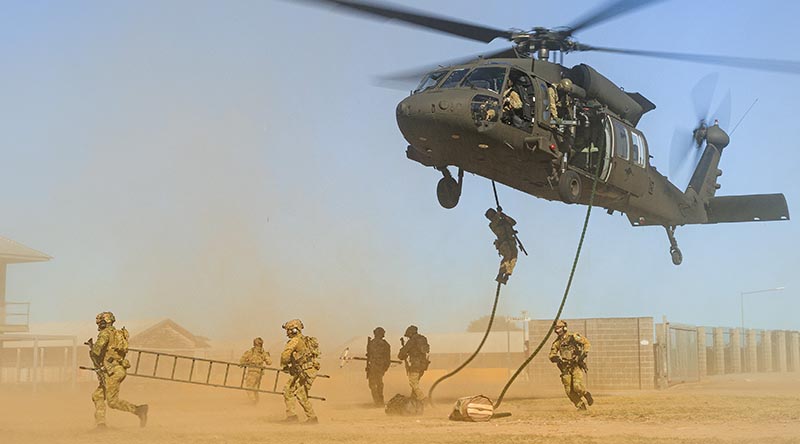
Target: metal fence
(681, 354)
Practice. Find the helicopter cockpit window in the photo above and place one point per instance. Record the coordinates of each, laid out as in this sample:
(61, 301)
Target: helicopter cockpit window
(620, 140)
(430, 81)
(486, 78)
(454, 78)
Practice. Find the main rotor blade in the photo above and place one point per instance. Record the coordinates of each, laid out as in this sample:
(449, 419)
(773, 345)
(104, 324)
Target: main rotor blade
(419, 18)
(415, 74)
(607, 12)
(771, 65)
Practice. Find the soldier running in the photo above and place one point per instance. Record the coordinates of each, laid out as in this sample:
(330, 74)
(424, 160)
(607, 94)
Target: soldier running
(108, 355)
(254, 361)
(415, 353)
(300, 360)
(569, 352)
(379, 355)
(502, 225)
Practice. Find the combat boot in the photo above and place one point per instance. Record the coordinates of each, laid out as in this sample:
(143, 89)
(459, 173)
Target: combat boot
(589, 399)
(141, 412)
(311, 421)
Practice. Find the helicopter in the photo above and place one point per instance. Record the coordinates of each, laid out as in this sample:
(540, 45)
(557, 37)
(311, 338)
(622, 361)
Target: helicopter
(520, 118)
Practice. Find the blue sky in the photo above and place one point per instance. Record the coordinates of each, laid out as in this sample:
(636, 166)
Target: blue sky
(232, 165)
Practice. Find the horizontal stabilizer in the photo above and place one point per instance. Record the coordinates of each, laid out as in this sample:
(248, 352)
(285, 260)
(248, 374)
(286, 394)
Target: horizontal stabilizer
(752, 208)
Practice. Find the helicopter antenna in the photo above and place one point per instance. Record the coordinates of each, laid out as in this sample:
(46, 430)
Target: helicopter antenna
(745, 115)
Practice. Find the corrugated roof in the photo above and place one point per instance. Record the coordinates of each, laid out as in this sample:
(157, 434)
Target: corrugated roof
(167, 334)
(14, 252)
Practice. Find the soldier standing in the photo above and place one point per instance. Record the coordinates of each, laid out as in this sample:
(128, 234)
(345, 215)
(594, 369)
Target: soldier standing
(502, 225)
(379, 355)
(415, 353)
(254, 361)
(300, 358)
(108, 355)
(569, 352)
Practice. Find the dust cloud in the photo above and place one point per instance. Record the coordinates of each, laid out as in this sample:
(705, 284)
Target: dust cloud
(729, 409)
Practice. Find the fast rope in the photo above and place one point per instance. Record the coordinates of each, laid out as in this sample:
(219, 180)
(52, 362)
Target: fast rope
(488, 327)
(477, 350)
(496, 200)
(563, 299)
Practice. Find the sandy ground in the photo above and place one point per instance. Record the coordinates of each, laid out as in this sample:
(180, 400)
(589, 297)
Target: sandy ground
(731, 409)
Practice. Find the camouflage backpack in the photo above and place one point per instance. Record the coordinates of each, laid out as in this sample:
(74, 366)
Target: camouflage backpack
(312, 352)
(119, 342)
(401, 405)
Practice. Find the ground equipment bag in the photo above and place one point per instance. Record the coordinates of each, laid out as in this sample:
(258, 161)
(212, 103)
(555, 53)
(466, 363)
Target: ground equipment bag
(476, 408)
(401, 405)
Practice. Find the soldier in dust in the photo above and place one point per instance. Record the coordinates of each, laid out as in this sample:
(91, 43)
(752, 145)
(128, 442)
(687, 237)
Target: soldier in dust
(379, 356)
(415, 354)
(254, 361)
(300, 359)
(569, 352)
(502, 225)
(108, 355)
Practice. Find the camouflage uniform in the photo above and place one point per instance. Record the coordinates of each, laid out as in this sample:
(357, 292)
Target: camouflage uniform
(415, 353)
(379, 355)
(112, 371)
(297, 361)
(255, 359)
(502, 225)
(569, 352)
(511, 101)
(552, 96)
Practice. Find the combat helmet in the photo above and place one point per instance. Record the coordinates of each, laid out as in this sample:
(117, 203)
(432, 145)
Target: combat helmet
(561, 324)
(293, 327)
(411, 331)
(104, 319)
(258, 342)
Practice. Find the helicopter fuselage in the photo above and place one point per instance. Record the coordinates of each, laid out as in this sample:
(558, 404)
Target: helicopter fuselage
(469, 125)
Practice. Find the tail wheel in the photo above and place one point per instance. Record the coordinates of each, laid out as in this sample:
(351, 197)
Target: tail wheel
(570, 187)
(677, 256)
(448, 192)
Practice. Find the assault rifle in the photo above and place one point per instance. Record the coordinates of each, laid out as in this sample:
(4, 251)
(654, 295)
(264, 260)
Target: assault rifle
(98, 365)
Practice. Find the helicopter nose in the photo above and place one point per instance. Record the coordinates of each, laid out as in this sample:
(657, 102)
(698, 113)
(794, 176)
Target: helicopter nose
(432, 119)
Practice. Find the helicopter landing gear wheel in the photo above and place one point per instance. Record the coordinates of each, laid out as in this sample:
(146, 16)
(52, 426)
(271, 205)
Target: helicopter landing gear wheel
(570, 187)
(448, 191)
(677, 256)
(674, 251)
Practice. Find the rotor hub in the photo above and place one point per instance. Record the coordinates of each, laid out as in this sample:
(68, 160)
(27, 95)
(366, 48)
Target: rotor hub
(542, 41)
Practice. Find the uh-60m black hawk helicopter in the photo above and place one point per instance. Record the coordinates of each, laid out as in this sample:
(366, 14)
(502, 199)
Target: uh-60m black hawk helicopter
(550, 131)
